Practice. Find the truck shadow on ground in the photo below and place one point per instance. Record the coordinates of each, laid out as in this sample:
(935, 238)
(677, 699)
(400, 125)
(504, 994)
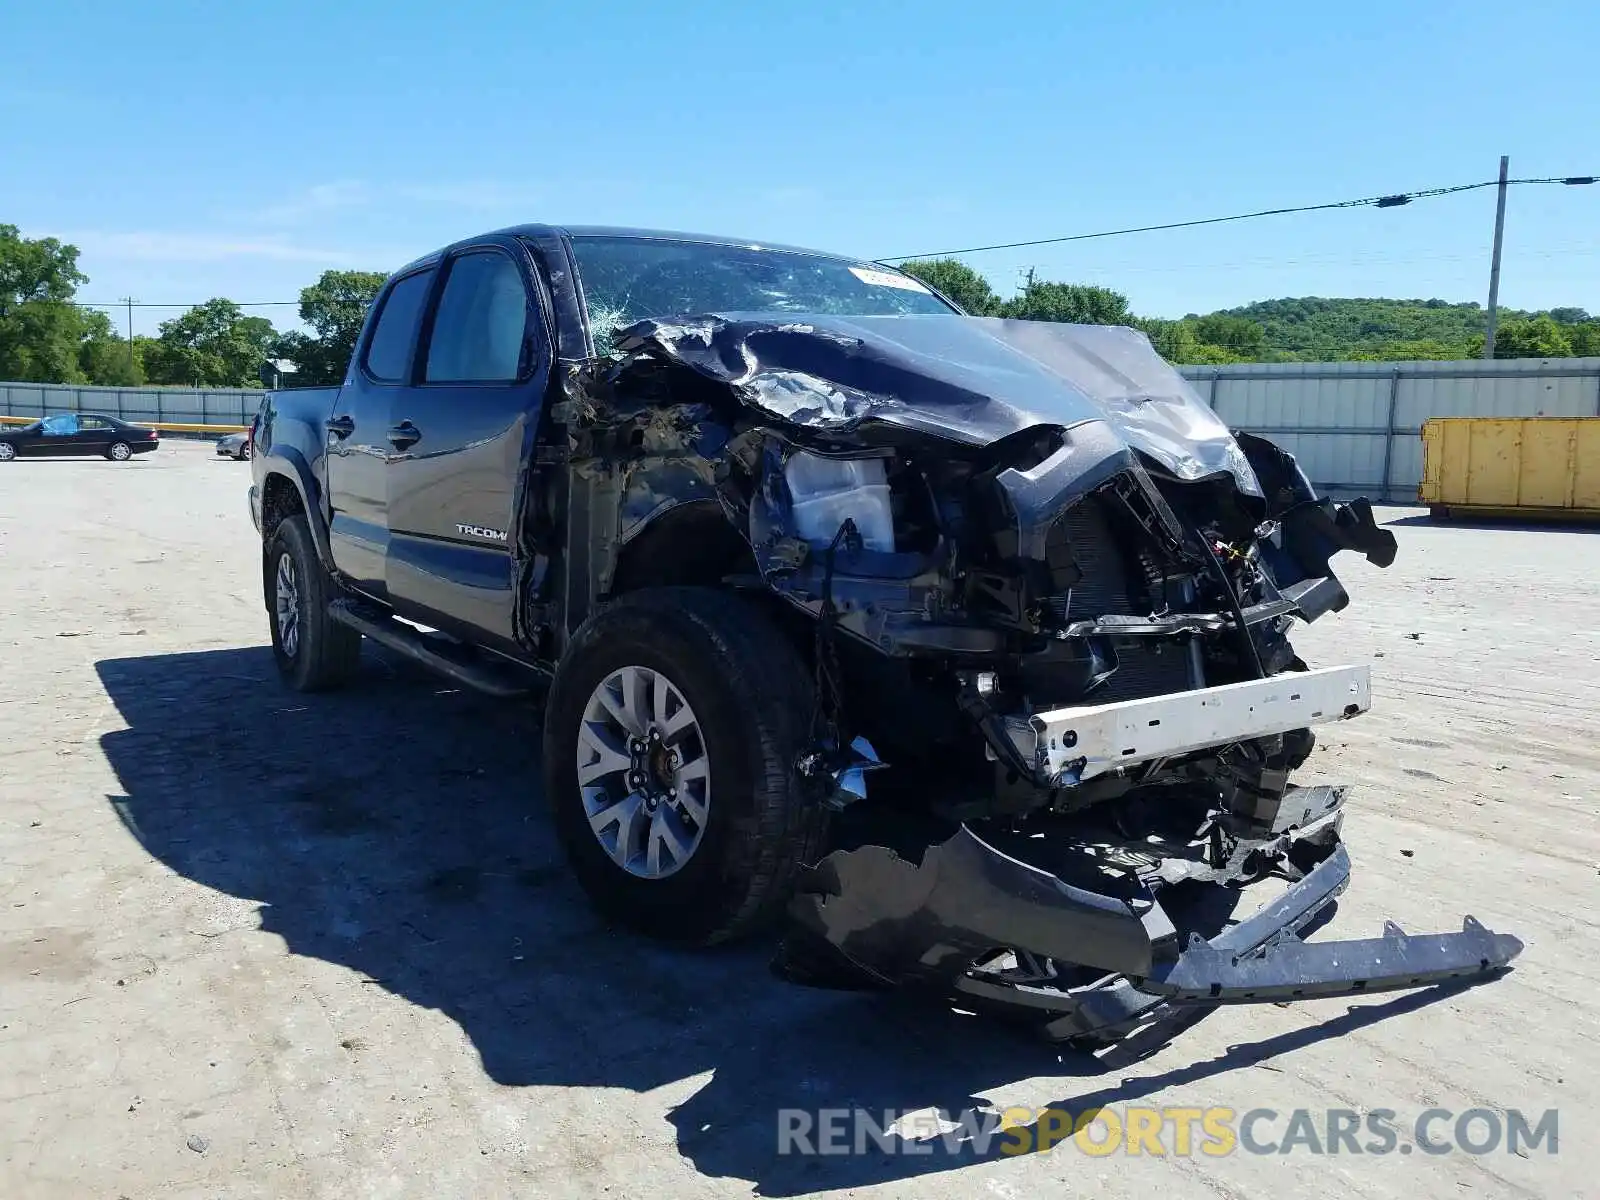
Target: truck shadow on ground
(1508, 524)
(396, 829)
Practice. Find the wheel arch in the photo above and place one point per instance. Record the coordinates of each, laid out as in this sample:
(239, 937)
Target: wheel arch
(689, 544)
(284, 493)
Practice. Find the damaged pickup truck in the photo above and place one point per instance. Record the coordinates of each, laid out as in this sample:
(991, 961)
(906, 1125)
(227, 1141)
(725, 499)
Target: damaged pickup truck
(964, 641)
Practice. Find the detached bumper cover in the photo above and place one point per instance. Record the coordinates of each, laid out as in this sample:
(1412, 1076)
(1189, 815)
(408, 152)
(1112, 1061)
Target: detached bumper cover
(1294, 970)
(900, 923)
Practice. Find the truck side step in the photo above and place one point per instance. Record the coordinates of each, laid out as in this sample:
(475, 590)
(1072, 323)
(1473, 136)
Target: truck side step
(450, 659)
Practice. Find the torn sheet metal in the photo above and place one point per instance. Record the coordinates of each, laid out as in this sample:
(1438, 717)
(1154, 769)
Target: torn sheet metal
(973, 380)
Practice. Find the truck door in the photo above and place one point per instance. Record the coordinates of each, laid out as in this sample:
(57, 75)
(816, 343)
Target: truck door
(461, 431)
(358, 433)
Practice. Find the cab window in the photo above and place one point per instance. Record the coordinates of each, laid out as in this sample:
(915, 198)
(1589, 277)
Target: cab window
(389, 349)
(64, 425)
(481, 326)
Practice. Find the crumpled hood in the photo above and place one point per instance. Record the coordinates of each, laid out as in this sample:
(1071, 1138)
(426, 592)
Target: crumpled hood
(973, 380)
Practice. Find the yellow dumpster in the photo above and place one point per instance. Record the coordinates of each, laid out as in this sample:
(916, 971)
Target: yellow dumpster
(1522, 467)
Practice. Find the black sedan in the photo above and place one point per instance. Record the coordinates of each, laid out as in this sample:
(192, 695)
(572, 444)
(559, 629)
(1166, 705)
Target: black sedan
(77, 434)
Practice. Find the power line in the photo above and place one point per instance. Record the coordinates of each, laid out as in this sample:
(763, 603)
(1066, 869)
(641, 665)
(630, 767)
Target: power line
(151, 304)
(1394, 200)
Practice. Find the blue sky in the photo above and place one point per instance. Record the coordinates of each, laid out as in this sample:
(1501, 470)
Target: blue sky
(200, 149)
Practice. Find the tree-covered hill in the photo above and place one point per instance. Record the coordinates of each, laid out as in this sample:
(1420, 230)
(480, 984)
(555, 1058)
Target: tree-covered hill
(1319, 328)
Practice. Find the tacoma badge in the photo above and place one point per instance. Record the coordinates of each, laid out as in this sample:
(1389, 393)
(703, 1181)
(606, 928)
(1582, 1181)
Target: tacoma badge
(482, 531)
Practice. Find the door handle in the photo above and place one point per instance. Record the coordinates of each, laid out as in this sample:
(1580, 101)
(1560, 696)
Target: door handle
(341, 426)
(404, 435)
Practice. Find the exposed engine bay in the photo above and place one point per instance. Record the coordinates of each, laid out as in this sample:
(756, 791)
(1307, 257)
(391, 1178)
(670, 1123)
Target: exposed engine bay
(1047, 594)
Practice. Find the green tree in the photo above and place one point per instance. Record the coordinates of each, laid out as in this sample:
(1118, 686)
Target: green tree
(1207, 355)
(41, 330)
(1240, 335)
(1316, 328)
(334, 307)
(212, 345)
(959, 282)
(1533, 337)
(1424, 350)
(1078, 303)
(1585, 339)
(1173, 340)
(104, 358)
(1179, 343)
(1570, 316)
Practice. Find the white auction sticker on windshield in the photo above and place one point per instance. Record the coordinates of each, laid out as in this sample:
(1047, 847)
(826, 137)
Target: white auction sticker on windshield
(887, 279)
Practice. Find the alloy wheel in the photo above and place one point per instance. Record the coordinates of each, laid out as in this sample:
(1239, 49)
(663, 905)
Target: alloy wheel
(286, 605)
(644, 772)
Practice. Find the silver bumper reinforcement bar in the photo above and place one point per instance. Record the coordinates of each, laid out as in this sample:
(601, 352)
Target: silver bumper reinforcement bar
(1070, 745)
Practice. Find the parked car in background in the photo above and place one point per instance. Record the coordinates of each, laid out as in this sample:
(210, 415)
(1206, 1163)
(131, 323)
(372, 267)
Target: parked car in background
(235, 446)
(77, 435)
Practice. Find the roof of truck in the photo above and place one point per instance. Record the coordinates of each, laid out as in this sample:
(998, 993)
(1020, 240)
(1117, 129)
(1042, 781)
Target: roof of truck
(665, 235)
(622, 231)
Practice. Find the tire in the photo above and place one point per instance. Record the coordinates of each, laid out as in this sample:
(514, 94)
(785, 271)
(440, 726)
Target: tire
(313, 652)
(750, 698)
(119, 452)
(244, 454)
(7, 452)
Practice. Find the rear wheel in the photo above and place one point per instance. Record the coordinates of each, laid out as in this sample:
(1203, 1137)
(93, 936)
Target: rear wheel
(313, 652)
(119, 452)
(7, 451)
(673, 727)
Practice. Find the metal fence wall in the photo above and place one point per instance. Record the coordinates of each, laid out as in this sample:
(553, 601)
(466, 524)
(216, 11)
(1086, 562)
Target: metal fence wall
(214, 406)
(1356, 426)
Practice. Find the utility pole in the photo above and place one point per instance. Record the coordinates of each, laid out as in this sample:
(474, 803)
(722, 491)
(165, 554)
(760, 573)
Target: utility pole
(130, 302)
(1494, 264)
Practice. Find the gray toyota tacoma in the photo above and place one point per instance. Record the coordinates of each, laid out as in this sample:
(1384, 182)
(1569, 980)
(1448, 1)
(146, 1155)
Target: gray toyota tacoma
(960, 644)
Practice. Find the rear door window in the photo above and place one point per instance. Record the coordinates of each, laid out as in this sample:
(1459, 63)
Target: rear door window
(481, 326)
(389, 349)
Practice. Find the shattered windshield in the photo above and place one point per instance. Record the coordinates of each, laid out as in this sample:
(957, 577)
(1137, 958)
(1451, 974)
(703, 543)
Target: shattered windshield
(626, 279)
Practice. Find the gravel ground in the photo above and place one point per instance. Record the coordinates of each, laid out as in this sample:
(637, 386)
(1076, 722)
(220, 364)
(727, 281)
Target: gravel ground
(258, 944)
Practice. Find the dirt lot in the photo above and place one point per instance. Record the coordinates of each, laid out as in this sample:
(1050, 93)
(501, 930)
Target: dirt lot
(255, 944)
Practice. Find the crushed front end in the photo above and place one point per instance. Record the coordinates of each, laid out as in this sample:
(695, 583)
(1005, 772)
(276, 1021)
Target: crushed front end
(1048, 596)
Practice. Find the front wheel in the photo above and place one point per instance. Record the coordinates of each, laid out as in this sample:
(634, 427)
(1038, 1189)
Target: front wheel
(119, 452)
(673, 727)
(313, 651)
